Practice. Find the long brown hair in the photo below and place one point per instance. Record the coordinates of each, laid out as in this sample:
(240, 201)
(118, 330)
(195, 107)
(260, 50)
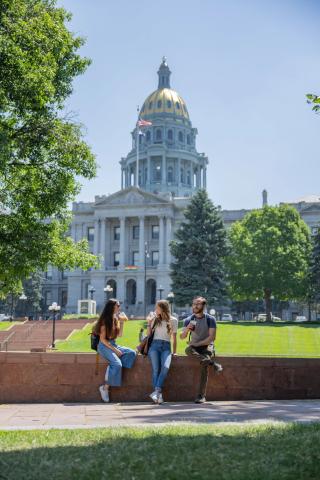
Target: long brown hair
(108, 321)
(165, 315)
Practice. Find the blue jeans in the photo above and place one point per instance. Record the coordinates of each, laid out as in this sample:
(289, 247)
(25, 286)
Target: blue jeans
(114, 370)
(160, 356)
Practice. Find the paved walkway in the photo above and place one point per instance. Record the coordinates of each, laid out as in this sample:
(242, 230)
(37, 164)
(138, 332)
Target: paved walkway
(93, 415)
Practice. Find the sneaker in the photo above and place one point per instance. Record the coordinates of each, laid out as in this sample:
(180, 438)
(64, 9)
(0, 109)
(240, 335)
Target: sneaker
(218, 368)
(104, 394)
(154, 397)
(200, 399)
(160, 398)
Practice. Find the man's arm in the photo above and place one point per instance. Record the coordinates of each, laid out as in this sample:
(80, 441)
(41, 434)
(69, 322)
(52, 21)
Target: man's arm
(210, 338)
(186, 329)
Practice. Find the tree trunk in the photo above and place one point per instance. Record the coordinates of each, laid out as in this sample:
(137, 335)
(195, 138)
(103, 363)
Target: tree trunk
(309, 311)
(267, 298)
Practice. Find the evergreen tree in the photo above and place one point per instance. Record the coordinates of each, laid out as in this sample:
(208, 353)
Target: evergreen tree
(199, 249)
(314, 271)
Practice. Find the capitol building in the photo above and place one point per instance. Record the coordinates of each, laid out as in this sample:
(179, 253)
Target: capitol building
(131, 229)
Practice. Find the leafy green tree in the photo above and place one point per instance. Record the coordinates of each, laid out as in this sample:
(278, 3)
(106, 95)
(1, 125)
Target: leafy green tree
(269, 256)
(199, 249)
(314, 100)
(42, 150)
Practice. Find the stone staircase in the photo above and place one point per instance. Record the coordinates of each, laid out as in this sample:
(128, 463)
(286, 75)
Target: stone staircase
(37, 334)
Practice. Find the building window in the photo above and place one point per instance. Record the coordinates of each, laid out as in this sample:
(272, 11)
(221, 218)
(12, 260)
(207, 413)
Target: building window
(188, 140)
(155, 257)
(181, 175)
(135, 232)
(155, 232)
(170, 174)
(150, 105)
(135, 258)
(170, 135)
(47, 298)
(49, 272)
(169, 104)
(158, 135)
(180, 137)
(90, 234)
(157, 172)
(148, 136)
(188, 177)
(177, 105)
(116, 233)
(64, 298)
(314, 230)
(63, 274)
(116, 259)
(159, 104)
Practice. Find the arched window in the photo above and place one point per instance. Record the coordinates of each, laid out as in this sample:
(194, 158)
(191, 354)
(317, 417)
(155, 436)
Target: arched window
(169, 104)
(177, 105)
(170, 135)
(180, 136)
(188, 177)
(113, 284)
(170, 174)
(158, 135)
(159, 104)
(148, 136)
(181, 175)
(157, 171)
(150, 105)
(131, 291)
(188, 139)
(145, 175)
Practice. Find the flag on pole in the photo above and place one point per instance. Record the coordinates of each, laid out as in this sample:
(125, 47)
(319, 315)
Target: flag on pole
(143, 123)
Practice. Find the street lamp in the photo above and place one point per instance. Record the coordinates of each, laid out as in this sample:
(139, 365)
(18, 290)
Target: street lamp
(54, 308)
(108, 291)
(91, 290)
(146, 256)
(170, 300)
(23, 297)
(160, 291)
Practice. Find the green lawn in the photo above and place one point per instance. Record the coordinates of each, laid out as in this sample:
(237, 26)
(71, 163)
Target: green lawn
(6, 325)
(301, 340)
(202, 452)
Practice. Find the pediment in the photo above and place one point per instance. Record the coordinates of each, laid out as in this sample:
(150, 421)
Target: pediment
(131, 196)
(313, 208)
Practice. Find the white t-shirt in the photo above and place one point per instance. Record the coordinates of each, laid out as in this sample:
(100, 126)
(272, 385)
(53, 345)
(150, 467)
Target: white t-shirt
(161, 332)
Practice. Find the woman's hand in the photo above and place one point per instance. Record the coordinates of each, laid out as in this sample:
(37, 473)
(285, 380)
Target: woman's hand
(150, 318)
(118, 353)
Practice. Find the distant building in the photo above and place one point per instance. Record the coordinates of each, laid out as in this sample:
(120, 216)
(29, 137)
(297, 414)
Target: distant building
(132, 228)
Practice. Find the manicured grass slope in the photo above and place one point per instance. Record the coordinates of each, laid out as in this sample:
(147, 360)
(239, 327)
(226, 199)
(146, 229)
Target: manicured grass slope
(6, 325)
(273, 452)
(232, 339)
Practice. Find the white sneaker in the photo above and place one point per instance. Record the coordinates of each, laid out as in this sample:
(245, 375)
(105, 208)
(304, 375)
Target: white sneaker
(104, 394)
(160, 398)
(154, 397)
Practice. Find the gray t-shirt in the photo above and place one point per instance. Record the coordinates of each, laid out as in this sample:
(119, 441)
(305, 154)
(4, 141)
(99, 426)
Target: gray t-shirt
(203, 324)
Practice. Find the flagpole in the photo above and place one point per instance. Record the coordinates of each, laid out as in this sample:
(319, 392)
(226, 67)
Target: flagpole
(137, 148)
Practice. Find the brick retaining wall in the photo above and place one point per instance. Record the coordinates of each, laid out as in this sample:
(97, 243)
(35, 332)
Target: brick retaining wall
(70, 377)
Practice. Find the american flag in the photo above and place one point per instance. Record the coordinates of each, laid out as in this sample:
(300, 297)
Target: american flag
(143, 123)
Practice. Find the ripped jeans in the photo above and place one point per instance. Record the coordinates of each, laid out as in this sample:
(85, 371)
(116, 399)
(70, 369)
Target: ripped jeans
(160, 356)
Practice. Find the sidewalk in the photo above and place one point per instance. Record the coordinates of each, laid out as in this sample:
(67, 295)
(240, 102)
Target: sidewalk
(94, 415)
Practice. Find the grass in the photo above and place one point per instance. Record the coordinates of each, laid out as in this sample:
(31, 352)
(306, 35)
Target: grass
(5, 326)
(302, 340)
(268, 452)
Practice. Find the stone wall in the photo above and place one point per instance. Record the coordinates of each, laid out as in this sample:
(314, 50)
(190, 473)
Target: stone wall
(70, 377)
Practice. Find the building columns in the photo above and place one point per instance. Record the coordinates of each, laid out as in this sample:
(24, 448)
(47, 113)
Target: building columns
(122, 241)
(204, 177)
(96, 237)
(168, 240)
(141, 241)
(102, 249)
(161, 240)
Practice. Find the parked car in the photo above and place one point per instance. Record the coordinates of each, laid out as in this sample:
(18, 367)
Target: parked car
(226, 317)
(4, 317)
(301, 318)
(262, 317)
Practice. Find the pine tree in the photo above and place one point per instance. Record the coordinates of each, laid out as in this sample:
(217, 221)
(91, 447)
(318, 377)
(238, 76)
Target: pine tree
(314, 271)
(199, 249)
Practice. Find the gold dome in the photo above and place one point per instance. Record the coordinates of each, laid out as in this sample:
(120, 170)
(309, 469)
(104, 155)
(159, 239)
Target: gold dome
(164, 100)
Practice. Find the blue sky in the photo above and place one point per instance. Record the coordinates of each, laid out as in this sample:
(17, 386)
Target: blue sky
(242, 66)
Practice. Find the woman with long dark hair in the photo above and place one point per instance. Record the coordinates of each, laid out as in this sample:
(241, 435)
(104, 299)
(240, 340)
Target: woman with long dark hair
(165, 327)
(110, 327)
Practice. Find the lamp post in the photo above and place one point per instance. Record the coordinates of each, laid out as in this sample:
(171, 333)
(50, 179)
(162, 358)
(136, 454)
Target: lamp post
(91, 290)
(160, 292)
(23, 297)
(54, 308)
(146, 256)
(108, 291)
(170, 300)
(271, 298)
(257, 307)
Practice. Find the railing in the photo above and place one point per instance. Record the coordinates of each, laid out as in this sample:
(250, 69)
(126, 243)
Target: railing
(6, 341)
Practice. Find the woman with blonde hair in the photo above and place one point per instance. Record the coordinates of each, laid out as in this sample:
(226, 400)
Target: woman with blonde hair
(165, 327)
(109, 327)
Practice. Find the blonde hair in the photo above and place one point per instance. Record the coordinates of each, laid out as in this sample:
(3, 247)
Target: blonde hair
(165, 315)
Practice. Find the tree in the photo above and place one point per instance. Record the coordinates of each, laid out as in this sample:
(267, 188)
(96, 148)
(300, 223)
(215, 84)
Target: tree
(199, 249)
(42, 150)
(313, 100)
(314, 272)
(269, 255)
